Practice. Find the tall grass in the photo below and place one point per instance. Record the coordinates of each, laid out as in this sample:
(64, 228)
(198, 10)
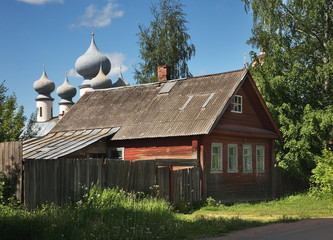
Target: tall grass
(115, 214)
(107, 214)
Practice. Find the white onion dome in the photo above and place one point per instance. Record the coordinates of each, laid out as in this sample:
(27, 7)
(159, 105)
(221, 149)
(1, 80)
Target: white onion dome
(101, 81)
(44, 86)
(66, 91)
(120, 82)
(88, 64)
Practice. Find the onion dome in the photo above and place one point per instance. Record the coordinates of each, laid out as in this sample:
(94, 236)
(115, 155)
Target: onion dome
(66, 91)
(120, 82)
(101, 81)
(88, 64)
(44, 86)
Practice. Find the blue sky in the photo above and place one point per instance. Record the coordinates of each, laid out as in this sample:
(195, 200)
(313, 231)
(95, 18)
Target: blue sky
(57, 32)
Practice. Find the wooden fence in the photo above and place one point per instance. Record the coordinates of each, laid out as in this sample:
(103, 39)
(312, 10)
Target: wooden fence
(62, 181)
(11, 164)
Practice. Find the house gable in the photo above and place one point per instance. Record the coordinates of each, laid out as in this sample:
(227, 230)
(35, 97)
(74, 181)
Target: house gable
(255, 117)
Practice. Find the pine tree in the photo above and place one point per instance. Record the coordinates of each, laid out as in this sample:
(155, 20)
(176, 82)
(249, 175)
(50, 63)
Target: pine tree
(164, 42)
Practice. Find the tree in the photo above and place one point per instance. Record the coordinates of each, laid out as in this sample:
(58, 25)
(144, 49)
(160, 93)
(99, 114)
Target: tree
(164, 42)
(295, 77)
(30, 129)
(11, 116)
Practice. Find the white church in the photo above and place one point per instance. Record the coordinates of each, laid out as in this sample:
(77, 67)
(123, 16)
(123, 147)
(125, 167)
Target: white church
(93, 66)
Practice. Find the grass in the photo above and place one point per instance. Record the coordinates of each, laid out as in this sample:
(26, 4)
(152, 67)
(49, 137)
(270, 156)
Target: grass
(114, 214)
(299, 206)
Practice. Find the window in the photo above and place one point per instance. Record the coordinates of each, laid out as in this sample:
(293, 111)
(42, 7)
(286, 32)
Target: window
(232, 158)
(260, 158)
(247, 158)
(216, 157)
(116, 153)
(40, 112)
(236, 104)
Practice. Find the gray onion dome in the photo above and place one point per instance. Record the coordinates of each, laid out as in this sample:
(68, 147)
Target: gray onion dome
(44, 86)
(87, 65)
(101, 81)
(66, 91)
(120, 82)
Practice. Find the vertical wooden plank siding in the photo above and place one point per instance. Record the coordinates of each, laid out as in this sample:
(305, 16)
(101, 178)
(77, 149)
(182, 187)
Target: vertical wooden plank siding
(11, 163)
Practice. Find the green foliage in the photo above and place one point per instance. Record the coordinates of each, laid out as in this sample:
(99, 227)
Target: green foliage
(30, 130)
(164, 42)
(322, 178)
(295, 76)
(7, 190)
(11, 116)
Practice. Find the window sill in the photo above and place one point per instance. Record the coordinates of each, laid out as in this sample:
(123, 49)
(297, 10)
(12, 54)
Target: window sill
(216, 171)
(232, 171)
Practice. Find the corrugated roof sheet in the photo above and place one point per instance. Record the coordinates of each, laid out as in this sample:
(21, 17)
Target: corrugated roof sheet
(142, 112)
(56, 145)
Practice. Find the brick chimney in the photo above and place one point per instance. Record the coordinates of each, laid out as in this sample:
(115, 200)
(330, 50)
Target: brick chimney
(163, 73)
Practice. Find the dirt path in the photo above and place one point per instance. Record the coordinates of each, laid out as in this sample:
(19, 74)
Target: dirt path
(314, 228)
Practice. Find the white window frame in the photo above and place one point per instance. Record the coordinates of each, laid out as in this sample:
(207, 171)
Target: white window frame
(233, 170)
(118, 149)
(237, 104)
(218, 168)
(260, 168)
(249, 148)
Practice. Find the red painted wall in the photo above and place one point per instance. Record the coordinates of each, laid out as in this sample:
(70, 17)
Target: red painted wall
(159, 148)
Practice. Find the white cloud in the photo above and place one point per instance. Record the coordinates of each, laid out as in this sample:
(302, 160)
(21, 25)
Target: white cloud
(202, 71)
(73, 74)
(99, 17)
(116, 59)
(40, 2)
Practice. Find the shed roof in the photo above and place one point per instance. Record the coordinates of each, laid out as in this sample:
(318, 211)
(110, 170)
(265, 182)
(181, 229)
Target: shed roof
(174, 108)
(56, 145)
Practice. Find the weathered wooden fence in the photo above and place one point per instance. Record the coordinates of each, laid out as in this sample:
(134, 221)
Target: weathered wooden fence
(62, 181)
(186, 185)
(11, 164)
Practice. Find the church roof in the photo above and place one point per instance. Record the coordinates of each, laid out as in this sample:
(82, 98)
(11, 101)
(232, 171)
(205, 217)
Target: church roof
(44, 86)
(66, 91)
(88, 64)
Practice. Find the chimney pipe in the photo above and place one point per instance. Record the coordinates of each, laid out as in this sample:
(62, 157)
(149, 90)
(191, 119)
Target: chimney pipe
(163, 73)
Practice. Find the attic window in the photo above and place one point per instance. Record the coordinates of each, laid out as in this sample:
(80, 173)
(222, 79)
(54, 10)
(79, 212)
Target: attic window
(237, 104)
(167, 87)
(187, 102)
(208, 100)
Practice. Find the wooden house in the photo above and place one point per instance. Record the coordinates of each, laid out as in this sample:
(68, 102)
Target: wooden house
(219, 120)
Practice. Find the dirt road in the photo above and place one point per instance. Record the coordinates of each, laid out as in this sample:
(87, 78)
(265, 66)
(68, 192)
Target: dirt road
(315, 228)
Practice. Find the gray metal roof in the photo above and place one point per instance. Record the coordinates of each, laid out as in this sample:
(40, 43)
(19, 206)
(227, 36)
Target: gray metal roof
(143, 111)
(56, 145)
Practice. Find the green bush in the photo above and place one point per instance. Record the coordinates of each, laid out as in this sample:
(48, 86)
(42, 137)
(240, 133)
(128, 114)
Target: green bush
(7, 190)
(322, 178)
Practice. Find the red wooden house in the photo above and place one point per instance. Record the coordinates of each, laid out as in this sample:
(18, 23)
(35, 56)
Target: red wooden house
(219, 120)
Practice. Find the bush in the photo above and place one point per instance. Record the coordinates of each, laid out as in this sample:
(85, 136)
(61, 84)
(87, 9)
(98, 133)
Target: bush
(7, 189)
(322, 178)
